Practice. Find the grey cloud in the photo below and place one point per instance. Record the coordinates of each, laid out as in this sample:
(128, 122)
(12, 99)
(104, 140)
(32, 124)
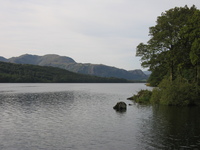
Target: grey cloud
(95, 31)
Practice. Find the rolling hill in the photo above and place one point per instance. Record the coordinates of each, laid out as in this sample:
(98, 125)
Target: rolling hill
(26, 73)
(71, 65)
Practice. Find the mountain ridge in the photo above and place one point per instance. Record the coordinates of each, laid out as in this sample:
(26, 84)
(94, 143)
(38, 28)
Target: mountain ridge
(27, 73)
(70, 64)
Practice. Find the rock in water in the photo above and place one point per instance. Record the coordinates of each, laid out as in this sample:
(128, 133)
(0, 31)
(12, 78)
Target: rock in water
(120, 106)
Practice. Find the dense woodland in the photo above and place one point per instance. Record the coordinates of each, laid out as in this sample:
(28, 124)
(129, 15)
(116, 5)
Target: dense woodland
(21, 73)
(172, 54)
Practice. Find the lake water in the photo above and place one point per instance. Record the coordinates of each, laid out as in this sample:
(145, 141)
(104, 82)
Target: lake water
(81, 117)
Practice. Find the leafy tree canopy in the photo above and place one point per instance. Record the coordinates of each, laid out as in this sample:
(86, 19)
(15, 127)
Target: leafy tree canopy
(174, 43)
(173, 55)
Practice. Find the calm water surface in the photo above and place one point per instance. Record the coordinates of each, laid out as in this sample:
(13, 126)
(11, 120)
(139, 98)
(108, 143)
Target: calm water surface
(81, 117)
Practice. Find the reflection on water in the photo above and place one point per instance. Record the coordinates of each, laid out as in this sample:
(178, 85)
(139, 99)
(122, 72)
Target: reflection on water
(172, 128)
(82, 117)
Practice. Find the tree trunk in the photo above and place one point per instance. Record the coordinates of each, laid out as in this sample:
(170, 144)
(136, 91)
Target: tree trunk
(172, 72)
(197, 74)
(171, 63)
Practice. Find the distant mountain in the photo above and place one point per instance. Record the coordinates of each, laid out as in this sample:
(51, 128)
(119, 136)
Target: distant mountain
(147, 72)
(41, 60)
(26, 73)
(3, 59)
(69, 64)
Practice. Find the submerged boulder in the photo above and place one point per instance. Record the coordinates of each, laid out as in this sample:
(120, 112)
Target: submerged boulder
(120, 106)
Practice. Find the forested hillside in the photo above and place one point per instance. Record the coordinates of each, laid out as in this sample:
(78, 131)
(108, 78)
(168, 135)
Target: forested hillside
(69, 64)
(24, 73)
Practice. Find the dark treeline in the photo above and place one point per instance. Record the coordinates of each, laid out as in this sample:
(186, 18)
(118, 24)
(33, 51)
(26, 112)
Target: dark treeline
(21, 73)
(172, 54)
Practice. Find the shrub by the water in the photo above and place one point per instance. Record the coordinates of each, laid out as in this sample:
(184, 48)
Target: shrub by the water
(173, 93)
(177, 93)
(143, 96)
(156, 95)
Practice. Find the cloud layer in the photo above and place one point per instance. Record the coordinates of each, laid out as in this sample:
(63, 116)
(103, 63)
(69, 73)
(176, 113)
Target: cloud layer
(93, 31)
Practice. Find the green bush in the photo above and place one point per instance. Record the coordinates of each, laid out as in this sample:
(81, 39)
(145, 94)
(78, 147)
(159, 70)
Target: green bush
(143, 96)
(178, 93)
(156, 95)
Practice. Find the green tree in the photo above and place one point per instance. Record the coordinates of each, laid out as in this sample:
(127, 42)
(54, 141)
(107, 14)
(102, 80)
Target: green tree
(173, 56)
(191, 33)
(167, 48)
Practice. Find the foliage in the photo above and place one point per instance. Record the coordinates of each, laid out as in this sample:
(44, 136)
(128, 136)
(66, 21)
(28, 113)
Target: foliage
(172, 54)
(143, 96)
(156, 96)
(157, 76)
(169, 49)
(18, 73)
(180, 93)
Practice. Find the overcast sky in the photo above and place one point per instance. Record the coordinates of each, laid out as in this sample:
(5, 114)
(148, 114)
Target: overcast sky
(89, 31)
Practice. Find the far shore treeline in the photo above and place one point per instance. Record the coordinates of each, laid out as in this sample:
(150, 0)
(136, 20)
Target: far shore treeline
(24, 73)
(172, 54)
